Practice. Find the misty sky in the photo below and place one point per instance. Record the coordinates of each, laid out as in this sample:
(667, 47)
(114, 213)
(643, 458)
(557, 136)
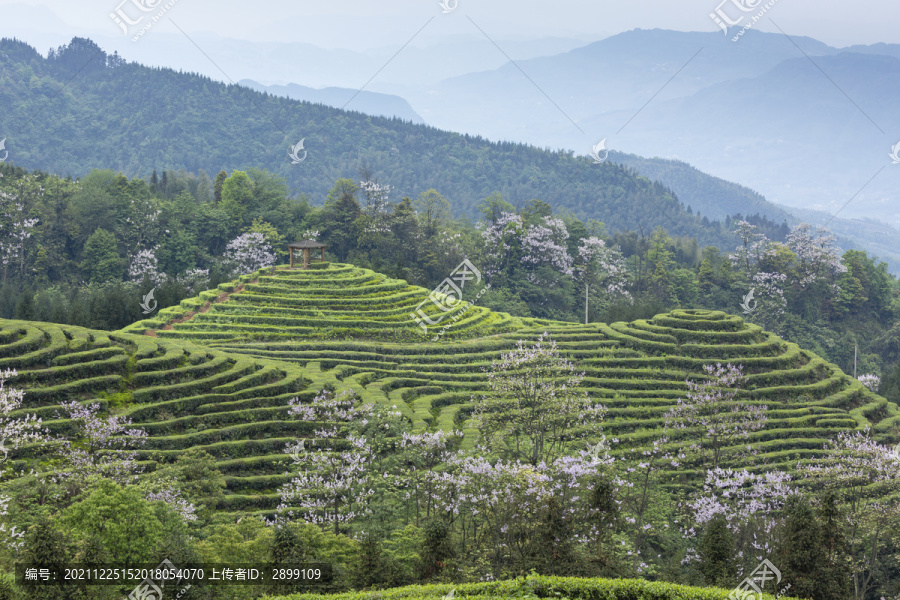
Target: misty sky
(360, 24)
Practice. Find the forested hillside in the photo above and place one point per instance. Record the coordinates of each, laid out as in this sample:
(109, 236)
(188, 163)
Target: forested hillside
(136, 119)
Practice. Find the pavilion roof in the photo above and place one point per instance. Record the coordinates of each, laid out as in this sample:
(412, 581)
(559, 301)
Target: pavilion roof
(307, 244)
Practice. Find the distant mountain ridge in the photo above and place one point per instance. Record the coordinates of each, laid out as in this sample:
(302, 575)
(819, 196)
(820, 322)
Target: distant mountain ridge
(370, 103)
(758, 112)
(717, 198)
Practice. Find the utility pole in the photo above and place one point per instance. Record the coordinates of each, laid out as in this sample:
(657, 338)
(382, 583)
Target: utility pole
(855, 350)
(586, 289)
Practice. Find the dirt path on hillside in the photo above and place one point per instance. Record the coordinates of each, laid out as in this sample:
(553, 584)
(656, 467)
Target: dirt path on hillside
(223, 297)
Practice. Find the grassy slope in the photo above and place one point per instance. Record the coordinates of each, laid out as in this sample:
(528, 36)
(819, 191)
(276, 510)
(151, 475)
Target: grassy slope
(218, 371)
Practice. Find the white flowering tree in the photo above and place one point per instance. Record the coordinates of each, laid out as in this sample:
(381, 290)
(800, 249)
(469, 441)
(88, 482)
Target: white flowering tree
(19, 429)
(100, 446)
(194, 279)
(534, 407)
(14, 431)
(754, 247)
(166, 491)
(818, 259)
(249, 252)
(871, 381)
(333, 483)
(711, 407)
(145, 264)
(376, 197)
(15, 228)
(644, 509)
(768, 293)
(603, 268)
(510, 242)
(507, 510)
(421, 453)
(866, 477)
(748, 503)
(803, 272)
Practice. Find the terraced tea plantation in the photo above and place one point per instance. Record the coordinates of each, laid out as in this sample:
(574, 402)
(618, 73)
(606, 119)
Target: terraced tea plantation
(332, 301)
(217, 372)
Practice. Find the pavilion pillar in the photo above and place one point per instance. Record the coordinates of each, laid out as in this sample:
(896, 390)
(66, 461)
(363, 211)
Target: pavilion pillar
(292, 257)
(323, 254)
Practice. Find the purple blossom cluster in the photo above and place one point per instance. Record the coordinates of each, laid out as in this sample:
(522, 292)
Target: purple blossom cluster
(173, 498)
(509, 239)
(249, 252)
(14, 431)
(805, 259)
(711, 405)
(866, 477)
(333, 485)
(817, 255)
(144, 264)
(377, 196)
(19, 429)
(103, 446)
(534, 404)
(871, 381)
(749, 503)
(12, 240)
(603, 264)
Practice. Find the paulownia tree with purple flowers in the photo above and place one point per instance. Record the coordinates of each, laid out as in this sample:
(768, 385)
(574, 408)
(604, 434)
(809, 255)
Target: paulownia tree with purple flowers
(749, 505)
(644, 508)
(512, 243)
(534, 406)
(421, 453)
(711, 408)
(101, 446)
(602, 268)
(509, 515)
(866, 477)
(334, 483)
(14, 431)
(249, 252)
(15, 228)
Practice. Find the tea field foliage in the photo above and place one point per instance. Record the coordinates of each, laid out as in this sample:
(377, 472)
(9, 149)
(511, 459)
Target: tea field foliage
(539, 587)
(218, 373)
